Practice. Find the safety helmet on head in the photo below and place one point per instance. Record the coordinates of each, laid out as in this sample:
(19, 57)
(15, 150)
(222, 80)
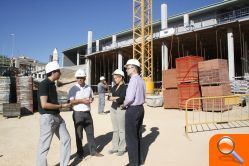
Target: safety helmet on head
(118, 72)
(52, 66)
(133, 62)
(80, 73)
(102, 78)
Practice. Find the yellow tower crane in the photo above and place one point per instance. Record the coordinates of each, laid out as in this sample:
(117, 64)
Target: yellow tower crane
(143, 40)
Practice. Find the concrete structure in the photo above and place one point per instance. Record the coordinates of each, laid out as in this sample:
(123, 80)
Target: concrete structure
(164, 26)
(28, 66)
(55, 55)
(218, 30)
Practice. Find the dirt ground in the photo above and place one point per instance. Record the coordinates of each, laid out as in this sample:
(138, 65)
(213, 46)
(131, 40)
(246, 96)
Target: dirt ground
(164, 140)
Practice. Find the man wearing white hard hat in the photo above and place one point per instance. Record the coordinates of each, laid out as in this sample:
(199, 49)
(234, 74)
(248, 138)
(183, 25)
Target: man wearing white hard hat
(134, 100)
(118, 92)
(50, 120)
(81, 96)
(102, 87)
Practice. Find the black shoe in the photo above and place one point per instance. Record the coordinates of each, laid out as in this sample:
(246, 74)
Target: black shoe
(97, 155)
(80, 155)
(120, 153)
(112, 151)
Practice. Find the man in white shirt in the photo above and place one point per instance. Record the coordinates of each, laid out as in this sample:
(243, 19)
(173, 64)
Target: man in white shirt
(81, 96)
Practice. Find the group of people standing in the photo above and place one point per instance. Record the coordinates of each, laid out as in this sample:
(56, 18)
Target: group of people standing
(126, 113)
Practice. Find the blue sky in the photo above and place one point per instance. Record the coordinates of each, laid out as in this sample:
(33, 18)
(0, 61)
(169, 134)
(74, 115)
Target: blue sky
(41, 25)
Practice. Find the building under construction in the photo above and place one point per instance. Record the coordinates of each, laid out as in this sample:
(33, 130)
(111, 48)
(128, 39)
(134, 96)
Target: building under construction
(218, 30)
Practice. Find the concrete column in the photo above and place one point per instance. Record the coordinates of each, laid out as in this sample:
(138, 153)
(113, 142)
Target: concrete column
(78, 58)
(55, 55)
(165, 62)
(120, 60)
(230, 46)
(97, 45)
(164, 16)
(186, 20)
(114, 41)
(246, 57)
(62, 60)
(89, 42)
(17, 63)
(88, 71)
(164, 25)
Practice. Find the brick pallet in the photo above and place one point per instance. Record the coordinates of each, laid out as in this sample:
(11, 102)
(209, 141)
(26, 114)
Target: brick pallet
(187, 68)
(213, 72)
(215, 104)
(214, 81)
(170, 97)
(170, 92)
(24, 90)
(169, 79)
(187, 77)
(4, 91)
(220, 90)
(187, 91)
(11, 110)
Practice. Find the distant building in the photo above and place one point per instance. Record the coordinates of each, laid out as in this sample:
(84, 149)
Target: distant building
(28, 66)
(4, 63)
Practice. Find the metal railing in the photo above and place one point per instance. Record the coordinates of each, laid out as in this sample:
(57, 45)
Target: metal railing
(215, 20)
(215, 113)
(232, 15)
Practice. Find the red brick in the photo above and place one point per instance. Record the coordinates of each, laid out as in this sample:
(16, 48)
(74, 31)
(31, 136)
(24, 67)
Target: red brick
(217, 104)
(170, 97)
(187, 91)
(213, 71)
(187, 68)
(169, 78)
(220, 90)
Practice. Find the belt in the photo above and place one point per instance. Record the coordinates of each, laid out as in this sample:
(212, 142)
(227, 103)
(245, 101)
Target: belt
(82, 111)
(135, 105)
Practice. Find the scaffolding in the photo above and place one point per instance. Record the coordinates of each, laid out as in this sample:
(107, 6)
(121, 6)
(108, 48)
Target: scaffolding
(143, 39)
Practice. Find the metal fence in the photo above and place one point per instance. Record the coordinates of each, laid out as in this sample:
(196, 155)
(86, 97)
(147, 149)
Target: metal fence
(215, 113)
(232, 15)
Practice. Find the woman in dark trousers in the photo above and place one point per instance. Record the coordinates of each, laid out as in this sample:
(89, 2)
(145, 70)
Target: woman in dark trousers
(118, 92)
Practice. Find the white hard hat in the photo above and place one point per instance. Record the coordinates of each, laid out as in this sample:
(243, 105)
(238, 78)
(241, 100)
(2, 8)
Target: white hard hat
(118, 72)
(102, 78)
(133, 62)
(52, 66)
(80, 73)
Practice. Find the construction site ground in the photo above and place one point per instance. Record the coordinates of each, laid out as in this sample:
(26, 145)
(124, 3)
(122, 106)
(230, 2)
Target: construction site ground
(164, 140)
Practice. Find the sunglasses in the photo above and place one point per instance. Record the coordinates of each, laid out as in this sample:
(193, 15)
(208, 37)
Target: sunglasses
(58, 70)
(79, 78)
(128, 68)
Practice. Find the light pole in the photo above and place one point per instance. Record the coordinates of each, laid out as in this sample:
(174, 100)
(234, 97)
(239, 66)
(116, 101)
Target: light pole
(13, 43)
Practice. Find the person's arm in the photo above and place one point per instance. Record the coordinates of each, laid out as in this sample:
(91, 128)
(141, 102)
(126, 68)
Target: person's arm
(112, 97)
(50, 106)
(121, 98)
(80, 101)
(74, 101)
(91, 96)
(105, 85)
(130, 92)
(43, 92)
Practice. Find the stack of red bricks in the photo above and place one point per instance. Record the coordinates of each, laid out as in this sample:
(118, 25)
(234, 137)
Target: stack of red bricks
(214, 81)
(170, 91)
(24, 90)
(187, 79)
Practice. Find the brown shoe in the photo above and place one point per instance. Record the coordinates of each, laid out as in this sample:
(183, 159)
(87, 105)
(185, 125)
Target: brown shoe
(98, 155)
